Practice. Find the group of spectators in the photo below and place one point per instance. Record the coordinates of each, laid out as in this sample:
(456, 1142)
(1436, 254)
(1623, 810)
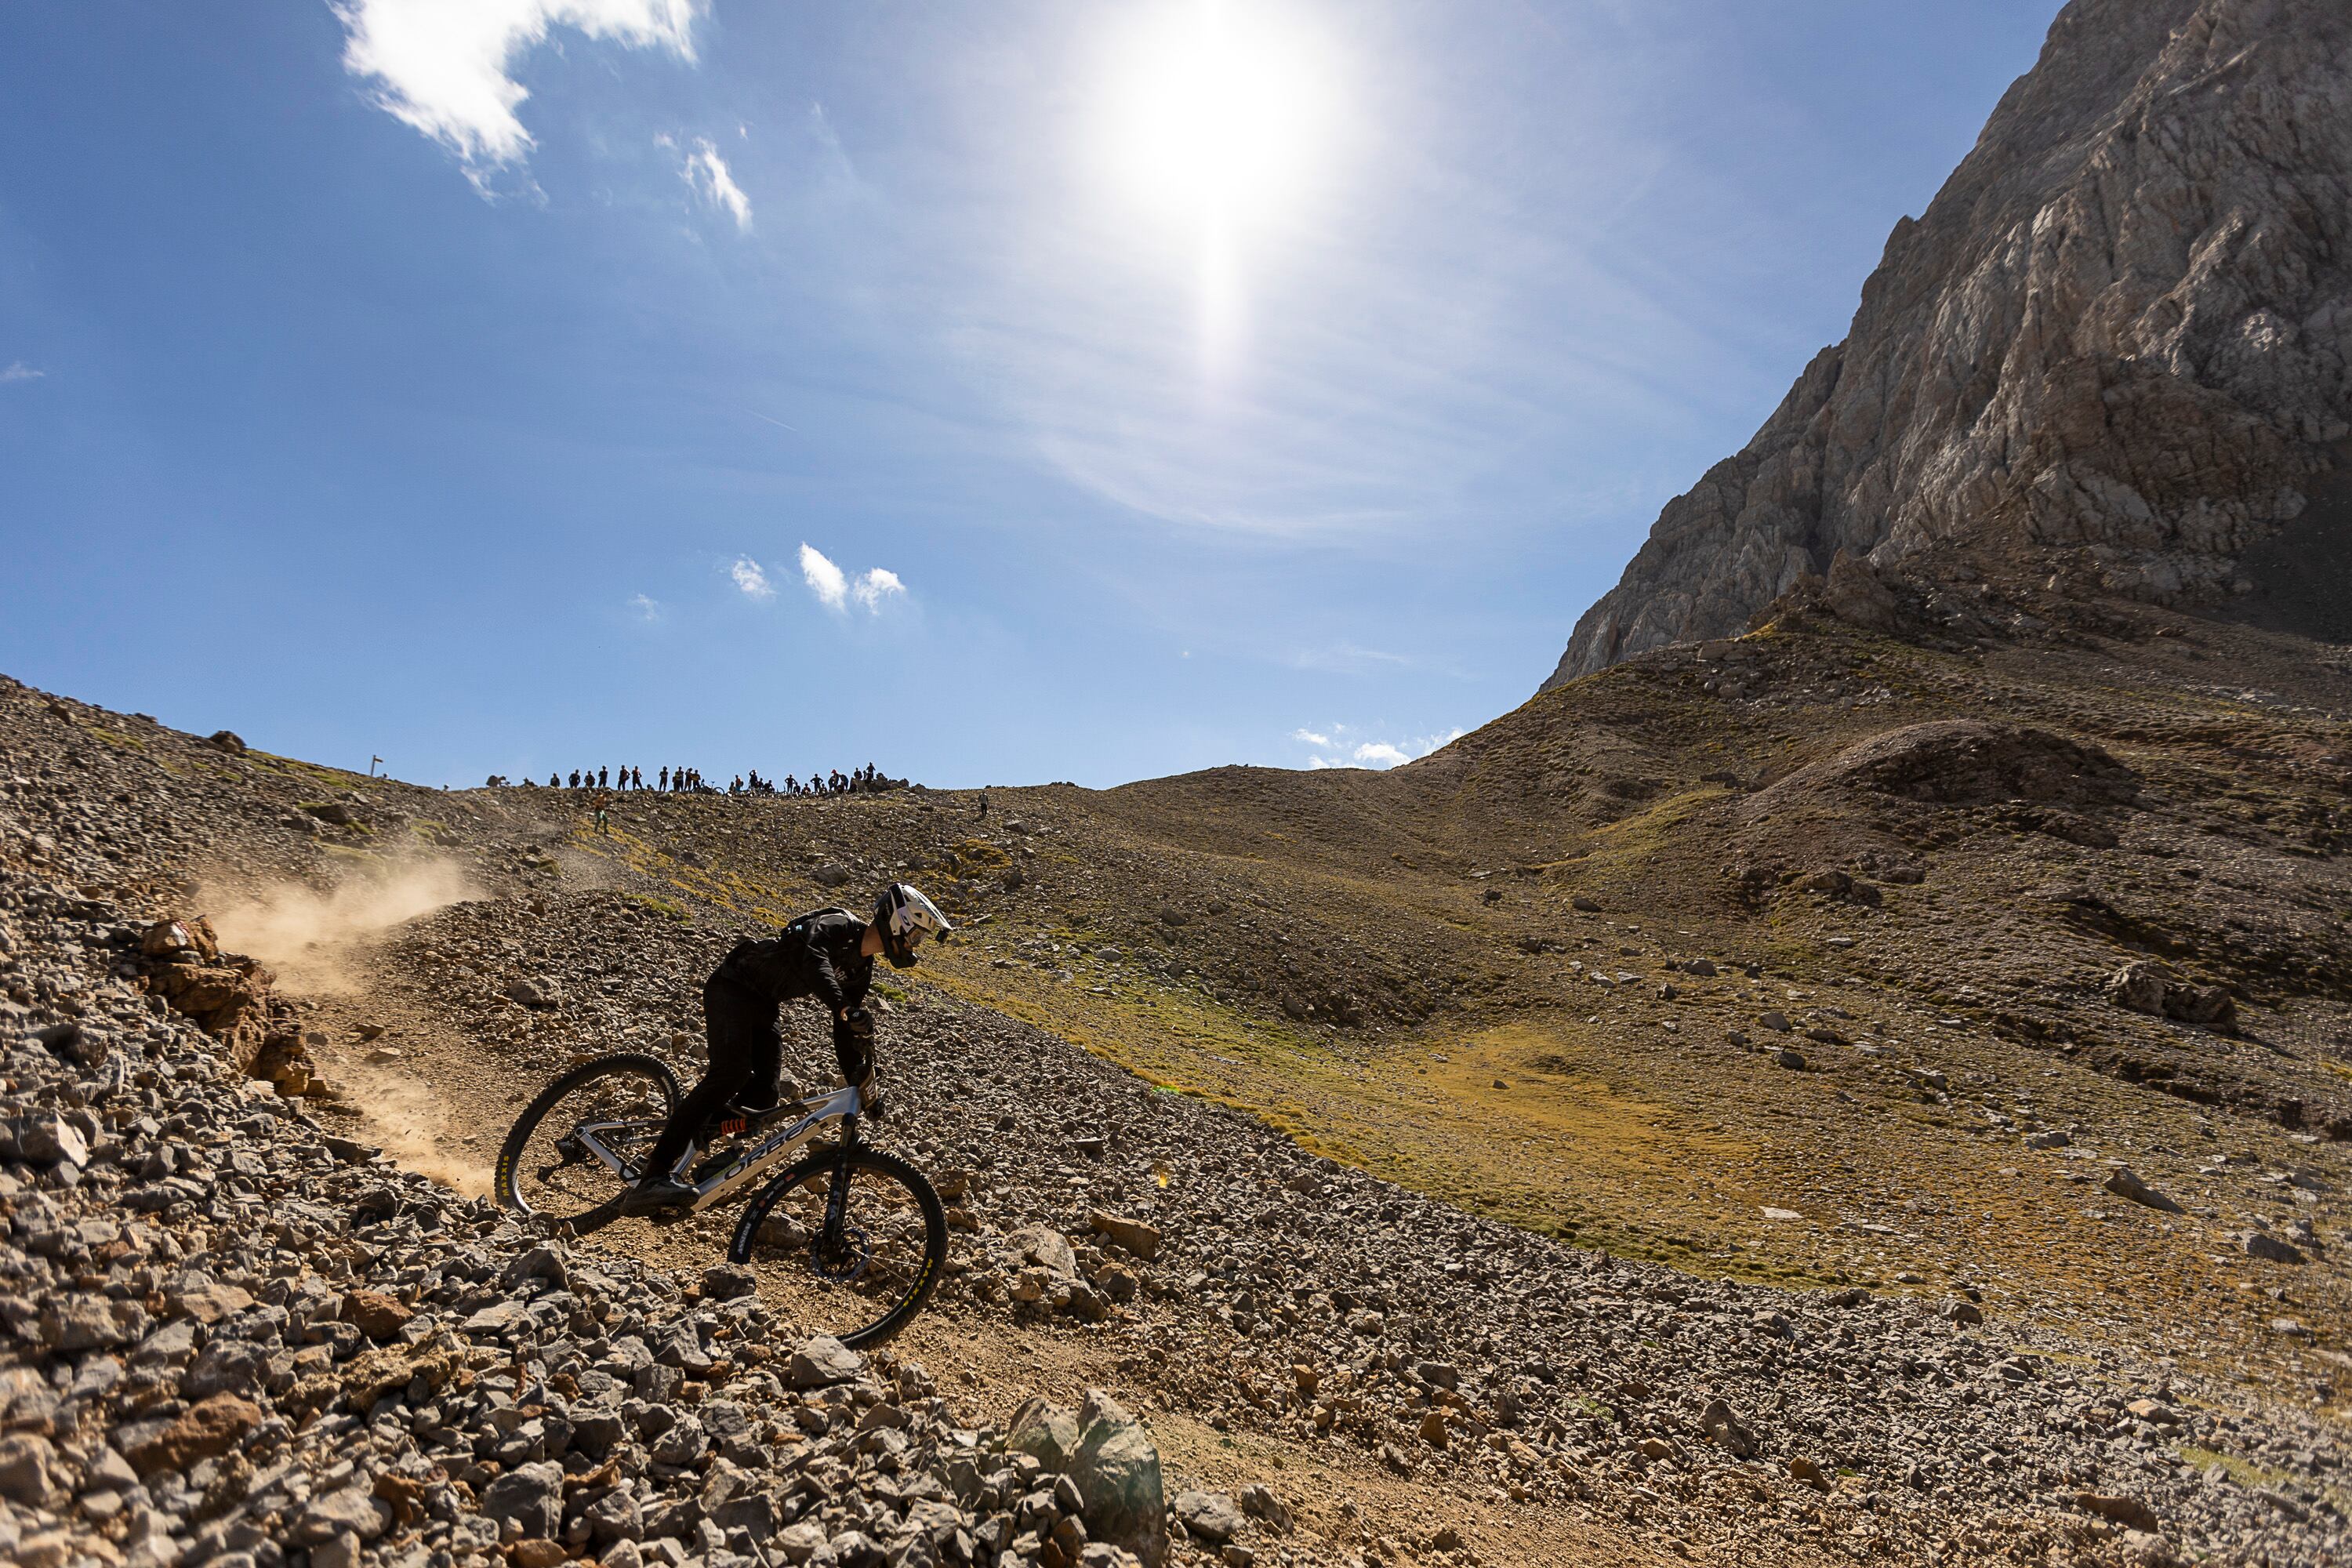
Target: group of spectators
(689, 781)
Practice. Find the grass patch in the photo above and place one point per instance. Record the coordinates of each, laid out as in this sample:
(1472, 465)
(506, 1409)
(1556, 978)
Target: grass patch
(979, 853)
(2245, 1472)
(1561, 1144)
(661, 906)
(309, 772)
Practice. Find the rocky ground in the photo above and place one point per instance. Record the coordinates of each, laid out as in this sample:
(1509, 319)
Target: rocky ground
(1866, 1036)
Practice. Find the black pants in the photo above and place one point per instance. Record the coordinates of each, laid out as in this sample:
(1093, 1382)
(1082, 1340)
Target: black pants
(747, 1053)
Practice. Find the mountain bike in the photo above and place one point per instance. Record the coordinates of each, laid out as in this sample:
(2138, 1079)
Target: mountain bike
(849, 1240)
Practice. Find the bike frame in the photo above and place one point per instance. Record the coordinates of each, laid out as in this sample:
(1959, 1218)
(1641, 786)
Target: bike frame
(842, 1105)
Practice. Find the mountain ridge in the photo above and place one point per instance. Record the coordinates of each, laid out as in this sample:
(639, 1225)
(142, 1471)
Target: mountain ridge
(2116, 351)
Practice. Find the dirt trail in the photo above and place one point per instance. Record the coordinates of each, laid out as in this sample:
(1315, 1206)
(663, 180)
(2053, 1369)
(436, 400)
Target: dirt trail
(407, 1106)
(436, 1108)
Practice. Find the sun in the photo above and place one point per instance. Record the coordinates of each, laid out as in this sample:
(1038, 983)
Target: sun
(1218, 114)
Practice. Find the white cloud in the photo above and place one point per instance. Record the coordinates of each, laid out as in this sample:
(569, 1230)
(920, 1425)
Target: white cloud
(877, 585)
(706, 175)
(835, 589)
(750, 579)
(824, 578)
(19, 371)
(645, 608)
(442, 66)
(1369, 753)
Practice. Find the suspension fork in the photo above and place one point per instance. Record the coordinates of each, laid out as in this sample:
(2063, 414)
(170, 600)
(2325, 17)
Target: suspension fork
(836, 1202)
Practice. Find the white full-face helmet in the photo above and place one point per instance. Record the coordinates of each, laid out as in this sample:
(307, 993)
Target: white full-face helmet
(905, 917)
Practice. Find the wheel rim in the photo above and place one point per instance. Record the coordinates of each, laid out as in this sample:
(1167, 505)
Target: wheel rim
(852, 1284)
(556, 1173)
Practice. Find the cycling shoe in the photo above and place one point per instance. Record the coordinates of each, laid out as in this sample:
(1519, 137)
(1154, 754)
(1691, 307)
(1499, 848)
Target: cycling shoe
(654, 1194)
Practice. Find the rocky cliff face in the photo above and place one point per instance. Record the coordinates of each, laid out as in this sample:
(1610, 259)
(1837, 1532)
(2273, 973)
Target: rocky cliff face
(2117, 349)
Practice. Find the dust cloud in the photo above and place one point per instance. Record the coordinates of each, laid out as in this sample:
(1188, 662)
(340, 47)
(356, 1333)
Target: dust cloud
(307, 935)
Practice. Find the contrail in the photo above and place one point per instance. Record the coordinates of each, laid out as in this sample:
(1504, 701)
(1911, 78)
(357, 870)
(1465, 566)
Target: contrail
(777, 423)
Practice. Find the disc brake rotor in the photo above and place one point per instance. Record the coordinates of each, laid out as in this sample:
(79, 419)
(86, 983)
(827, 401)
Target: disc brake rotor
(845, 1262)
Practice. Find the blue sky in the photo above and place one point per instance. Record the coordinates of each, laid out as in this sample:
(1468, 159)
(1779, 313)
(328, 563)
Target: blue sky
(999, 393)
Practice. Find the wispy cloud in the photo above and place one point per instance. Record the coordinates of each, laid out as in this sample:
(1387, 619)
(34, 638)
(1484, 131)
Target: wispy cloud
(877, 585)
(19, 371)
(751, 579)
(645, 608)
(1380, 755)
(706, 174)
(824, 578)
(445, 65)
(1311, 738)
(1347, 658)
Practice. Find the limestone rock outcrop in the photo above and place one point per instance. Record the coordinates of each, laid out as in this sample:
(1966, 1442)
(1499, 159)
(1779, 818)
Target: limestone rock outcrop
(2114, 357)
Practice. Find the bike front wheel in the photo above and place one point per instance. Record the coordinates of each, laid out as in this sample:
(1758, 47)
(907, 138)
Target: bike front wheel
(860, 1280)
(582, 1142)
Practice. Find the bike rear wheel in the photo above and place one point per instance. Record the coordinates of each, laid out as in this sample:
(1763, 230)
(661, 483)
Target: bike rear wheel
(549, 1164)
(865, 1282)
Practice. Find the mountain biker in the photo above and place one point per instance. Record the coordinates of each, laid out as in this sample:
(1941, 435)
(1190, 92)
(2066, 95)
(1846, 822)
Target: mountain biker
(827, 955)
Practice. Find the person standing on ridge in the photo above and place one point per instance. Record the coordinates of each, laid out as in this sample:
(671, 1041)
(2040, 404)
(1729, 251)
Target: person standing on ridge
(827, 955)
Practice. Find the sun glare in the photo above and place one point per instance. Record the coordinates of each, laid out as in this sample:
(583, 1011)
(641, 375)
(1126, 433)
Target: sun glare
(1218, 114)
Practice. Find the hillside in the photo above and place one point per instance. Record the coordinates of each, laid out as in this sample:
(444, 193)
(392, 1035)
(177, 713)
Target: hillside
(1856, 1069)
(1745, 1023)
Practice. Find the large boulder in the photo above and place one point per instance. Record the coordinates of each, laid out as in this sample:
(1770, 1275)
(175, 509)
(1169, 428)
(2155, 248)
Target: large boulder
(1116, 1470)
